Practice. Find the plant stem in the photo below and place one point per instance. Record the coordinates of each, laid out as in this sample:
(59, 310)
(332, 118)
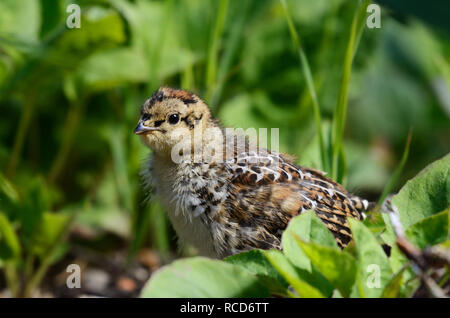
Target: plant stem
(231, 45)
(153, 52)
(24, 124)
(12, 279)
(69, 129)
(310, 83)
(339, 115)
(160, 230)
(211, 68)
(187, 77)
(46, 260)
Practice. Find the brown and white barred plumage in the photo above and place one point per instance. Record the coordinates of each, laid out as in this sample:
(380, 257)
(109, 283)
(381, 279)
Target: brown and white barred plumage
(243, 202)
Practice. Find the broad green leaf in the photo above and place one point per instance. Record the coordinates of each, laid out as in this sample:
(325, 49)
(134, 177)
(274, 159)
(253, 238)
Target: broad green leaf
(104, 70)
(426, 194)
(48, 233)
(309, 228)
(202, 277)
(256, 262)
(19, 19)
(429, 231)
(101, 28)
(105, 213)
(374, 270)
(294, 276)
(9, 242)
(336, 266)
(355, 291)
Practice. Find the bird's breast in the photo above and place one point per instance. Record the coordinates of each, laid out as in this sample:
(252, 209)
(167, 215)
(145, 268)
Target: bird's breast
(191, 195)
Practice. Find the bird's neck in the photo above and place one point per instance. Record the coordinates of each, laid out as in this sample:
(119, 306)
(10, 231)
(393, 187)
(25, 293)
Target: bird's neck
(203, 145)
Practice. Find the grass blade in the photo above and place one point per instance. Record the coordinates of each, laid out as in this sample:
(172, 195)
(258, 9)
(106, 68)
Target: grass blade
(160, 230)
(310, 83)
(118, 148)
(398, 171)
(339, 115)
(230, 48)
(211, 68)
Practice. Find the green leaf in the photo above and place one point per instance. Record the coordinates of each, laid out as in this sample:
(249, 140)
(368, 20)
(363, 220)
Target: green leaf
(20, 20)
(49, 232)
(34, 203)
(202, 277)
(374, 270)
(388, 234)
(294, 276)
(445, 244)
(9, 242)
(429, 231)
(103, 70)
(336, 266)
(9, 197)
(426, 194)
(256, 262)
(309, 228)
(101, 28)
(8, 189)
(397, 261)
(392, 288)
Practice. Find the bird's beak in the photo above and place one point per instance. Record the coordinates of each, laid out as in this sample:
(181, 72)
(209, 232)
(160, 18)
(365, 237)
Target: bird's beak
(143, 130)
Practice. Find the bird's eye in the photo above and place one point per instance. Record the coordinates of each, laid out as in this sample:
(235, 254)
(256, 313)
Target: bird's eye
(145, 117)
(174, 119)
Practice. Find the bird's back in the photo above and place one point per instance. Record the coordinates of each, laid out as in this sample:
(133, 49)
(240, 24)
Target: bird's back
(267, 190)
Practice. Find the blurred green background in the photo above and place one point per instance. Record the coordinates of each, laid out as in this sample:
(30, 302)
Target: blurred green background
(70, 98)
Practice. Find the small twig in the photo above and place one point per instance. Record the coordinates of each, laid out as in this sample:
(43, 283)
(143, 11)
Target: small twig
(433, 288)
(421, 261)
(437, 257)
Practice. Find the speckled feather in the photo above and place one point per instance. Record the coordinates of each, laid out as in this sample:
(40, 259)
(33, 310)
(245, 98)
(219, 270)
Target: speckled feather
(246, 201)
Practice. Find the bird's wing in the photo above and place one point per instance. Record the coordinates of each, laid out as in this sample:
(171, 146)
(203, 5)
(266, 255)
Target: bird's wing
(287, 190)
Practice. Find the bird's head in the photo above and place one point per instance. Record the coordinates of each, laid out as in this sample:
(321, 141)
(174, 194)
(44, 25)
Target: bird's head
(169, 116)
